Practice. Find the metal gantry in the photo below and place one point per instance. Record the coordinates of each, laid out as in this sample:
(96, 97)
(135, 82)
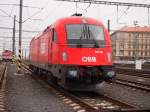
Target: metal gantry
(110, 3)
(114, 3)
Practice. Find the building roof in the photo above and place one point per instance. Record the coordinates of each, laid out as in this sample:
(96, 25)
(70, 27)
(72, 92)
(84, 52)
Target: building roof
(135, 29)
(145, 29)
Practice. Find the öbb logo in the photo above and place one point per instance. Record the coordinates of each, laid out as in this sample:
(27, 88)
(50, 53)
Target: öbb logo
(88, 59)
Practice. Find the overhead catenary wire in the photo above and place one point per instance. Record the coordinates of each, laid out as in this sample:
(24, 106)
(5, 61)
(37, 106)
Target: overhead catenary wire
(28, 12)
(76, 7)
(85, 10)
(11, 10)
(8, 28)
(124, 13)
(50, 12)
(110, 3)
(4, 16)
(29, 18)
(54, 9)
(44, 6)
(106, 2)
(8, 37)
(32, 16)
(23, 6)
(8, 14)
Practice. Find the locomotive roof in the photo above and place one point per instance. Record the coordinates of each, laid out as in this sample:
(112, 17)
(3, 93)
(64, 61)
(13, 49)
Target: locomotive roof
(77, 19)
(70, 20)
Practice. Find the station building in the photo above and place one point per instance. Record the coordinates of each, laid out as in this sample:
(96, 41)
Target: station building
(130, 43)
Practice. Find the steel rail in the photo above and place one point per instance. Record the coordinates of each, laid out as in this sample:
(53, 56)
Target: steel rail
(2, 74)
(83, 104)
(133, 72)
(132, 84)
(88, 107)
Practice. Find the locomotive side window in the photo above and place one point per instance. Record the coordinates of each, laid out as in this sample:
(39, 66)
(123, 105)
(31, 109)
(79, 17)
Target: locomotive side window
(85, 36)
(54, 36)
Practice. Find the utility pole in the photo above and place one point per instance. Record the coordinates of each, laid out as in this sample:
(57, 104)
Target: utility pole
(148, 16)
(3, 46)
(136, 41)
(13, 39)
(25, 53)
(20, 36)
(108, 25)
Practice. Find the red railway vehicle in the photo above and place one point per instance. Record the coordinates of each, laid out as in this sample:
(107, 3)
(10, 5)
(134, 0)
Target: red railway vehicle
(74, 50)
(7, 55)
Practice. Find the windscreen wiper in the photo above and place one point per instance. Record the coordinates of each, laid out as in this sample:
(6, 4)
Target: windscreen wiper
(82, 37)
(89, 33)
(83, 34)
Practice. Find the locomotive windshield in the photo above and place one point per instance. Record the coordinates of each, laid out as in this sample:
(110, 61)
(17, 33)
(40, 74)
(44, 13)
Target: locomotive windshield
(85, 36)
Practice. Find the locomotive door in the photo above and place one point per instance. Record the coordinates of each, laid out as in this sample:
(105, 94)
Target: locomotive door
(50, 48)
(54, 48)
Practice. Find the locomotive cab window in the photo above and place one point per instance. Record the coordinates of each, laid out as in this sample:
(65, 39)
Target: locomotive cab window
(54, 36)
(85, 36)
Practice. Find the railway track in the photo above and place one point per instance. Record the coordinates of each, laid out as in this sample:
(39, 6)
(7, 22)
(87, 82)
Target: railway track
(144, 66)
(133, 84)
(88, 102)
(65, 96)
(133, 72)
(98, 101)
(2, 73)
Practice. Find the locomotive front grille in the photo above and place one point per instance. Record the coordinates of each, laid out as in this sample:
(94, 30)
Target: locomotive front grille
(89, 75)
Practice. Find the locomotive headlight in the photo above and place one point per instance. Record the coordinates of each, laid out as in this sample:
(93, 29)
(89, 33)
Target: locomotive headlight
(73, 73)
(109, 56)
(110, 73)
(64, 56)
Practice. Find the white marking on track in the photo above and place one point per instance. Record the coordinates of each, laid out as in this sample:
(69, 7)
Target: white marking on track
(63, 97)
(81, 110)
(2, 109)
(60, 95)
(101, 104)
(66, 99)
(96, 107)
(111, 107)
(92, 101)
(1, 102)
(76, 107)
(73, 104)
(1, 106)
(141, 80)
(67, 102)
(18, 74)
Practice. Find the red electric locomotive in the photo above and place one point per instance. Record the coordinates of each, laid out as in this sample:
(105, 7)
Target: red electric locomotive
(74, 50)
(7, 55)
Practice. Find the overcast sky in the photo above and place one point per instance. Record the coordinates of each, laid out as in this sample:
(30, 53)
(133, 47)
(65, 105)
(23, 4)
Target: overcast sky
(53, 10)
